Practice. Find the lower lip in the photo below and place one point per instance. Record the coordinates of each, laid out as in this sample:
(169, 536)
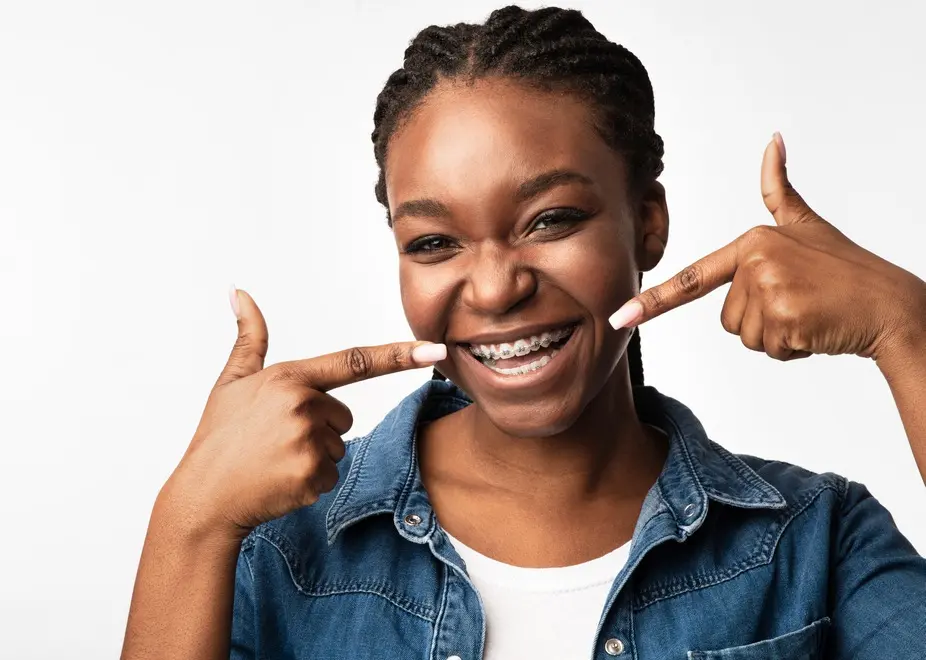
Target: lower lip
(532, 378)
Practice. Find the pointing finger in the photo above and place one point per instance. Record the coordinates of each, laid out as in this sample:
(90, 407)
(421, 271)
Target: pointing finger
(361, 363)
(695, 281)
(781, 199)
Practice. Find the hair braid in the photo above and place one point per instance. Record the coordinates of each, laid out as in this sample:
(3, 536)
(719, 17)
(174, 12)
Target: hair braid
(551, 49)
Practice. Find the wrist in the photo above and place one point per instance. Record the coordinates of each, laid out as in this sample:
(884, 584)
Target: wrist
(190, 519)
(904, 348)
(904, 335)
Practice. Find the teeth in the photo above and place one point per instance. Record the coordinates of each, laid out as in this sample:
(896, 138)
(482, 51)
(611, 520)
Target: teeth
(523, 369)
(519, 347)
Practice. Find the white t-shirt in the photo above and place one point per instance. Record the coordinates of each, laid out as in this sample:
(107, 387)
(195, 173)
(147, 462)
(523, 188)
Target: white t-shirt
(541, 613)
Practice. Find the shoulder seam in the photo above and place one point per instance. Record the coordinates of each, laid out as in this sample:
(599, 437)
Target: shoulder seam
(411, 607)
(763, 555)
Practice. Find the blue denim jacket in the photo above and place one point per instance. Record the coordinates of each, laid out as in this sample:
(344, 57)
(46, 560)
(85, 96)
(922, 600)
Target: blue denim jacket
(732, 557)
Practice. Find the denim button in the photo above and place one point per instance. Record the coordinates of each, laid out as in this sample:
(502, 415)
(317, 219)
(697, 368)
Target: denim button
(454, 657)
(614, 646)
(691, 511)
(414, 520)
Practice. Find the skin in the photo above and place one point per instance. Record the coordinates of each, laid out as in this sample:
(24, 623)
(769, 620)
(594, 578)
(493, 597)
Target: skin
(569, 454)
(566, 456)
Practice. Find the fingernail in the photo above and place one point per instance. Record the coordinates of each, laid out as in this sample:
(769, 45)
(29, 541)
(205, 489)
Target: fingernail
(780, 141)
(233, 299)
(429, 353)
(631, 312)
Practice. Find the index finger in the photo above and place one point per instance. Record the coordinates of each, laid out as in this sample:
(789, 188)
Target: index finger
(691, 283)
(351, 365)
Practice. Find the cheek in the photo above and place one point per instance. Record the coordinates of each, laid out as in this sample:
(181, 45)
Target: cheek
(596, 269)
(426, 298)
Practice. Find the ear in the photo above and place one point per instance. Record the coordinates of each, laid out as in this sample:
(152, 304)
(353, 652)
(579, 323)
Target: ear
(652, 226)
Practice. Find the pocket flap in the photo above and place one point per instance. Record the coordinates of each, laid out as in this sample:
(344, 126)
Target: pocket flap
(803, 644)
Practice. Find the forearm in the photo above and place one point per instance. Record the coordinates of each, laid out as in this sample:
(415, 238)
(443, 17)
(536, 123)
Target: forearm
(182, 602)
(904, 367)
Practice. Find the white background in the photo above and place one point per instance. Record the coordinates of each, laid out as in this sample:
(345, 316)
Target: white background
(153, 153)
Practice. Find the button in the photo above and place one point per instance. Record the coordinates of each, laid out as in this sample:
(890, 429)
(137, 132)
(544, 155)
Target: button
(691, 511)
(454, 657)
(614, 646)
(414, 520)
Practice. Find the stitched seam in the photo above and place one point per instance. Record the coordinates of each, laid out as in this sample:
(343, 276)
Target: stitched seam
(442, 612)
(250, 570)
(353, 475)
(373, 588)
(745, 472)
(681, 586)
(409, 476)
(665, 503)
(689, 461)
(815, 631)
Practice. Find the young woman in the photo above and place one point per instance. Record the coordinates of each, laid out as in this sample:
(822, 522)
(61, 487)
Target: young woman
(534, 499)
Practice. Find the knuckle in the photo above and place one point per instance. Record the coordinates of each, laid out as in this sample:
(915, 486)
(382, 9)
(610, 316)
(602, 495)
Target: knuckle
(246, 342)
(397, 356)
(654, 299)
(728, 322)
(339, 450)
(278, 374)
(358, 362)
(804, 215)
(760, 233)
(690, 280)
(783, 310)
(310, 465)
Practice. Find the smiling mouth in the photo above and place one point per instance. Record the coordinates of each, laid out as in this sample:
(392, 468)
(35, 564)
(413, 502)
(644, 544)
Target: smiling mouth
(524, 355)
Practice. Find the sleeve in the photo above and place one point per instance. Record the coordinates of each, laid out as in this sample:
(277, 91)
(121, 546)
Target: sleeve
(244, 609)
(878, 592)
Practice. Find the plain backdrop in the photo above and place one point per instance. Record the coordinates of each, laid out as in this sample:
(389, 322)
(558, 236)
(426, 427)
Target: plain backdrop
(153, 153)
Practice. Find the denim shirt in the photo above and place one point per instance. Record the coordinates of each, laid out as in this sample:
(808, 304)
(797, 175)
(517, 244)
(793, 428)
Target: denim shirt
(732, 557)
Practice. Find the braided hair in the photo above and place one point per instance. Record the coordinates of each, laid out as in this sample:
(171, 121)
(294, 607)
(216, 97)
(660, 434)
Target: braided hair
(551, 49)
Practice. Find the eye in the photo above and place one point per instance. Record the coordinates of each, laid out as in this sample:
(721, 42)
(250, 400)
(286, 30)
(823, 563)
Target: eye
(558, 219)
(428, 245)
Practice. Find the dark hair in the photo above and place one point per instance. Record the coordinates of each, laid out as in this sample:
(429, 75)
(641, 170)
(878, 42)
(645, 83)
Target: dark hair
(551, 49)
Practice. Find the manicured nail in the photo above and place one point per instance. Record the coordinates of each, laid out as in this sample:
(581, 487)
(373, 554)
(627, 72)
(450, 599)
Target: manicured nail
(429, 353)
(233, 299)
(631, 312)
(780, 141)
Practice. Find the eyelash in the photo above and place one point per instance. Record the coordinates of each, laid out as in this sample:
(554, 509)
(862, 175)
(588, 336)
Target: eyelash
(563, 218)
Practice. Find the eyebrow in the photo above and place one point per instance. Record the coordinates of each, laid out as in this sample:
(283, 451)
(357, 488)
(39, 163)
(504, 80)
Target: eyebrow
(431, 208)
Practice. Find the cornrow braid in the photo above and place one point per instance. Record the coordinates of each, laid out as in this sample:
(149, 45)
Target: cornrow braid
(551, 49)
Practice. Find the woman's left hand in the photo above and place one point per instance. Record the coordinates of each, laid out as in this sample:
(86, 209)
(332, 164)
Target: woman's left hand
(799, 287)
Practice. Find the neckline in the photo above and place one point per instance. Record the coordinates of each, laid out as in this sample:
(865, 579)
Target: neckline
(591, 573)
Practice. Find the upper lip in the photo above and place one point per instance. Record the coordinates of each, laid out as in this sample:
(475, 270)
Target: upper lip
(521, 332)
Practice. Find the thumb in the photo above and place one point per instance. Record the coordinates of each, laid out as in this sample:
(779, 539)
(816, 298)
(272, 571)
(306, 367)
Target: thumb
(781, 199)
(247, 356)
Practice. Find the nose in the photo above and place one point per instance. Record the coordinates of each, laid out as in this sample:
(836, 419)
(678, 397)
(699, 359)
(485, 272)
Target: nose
(498, 282)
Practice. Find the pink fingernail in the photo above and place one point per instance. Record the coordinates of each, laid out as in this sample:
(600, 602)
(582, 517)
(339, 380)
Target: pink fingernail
(780, 141)
(429, 353)
(630, 313)
(233, 299)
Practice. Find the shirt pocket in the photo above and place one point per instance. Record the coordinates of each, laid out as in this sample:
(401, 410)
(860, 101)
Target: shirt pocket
(806, 643)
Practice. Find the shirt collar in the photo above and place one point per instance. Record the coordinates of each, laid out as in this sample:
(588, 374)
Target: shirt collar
(383, 476)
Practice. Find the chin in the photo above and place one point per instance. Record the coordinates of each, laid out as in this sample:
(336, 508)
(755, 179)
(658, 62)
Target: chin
(533, 420)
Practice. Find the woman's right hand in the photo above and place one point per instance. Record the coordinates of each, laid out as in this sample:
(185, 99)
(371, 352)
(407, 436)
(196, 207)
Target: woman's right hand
(269, 439)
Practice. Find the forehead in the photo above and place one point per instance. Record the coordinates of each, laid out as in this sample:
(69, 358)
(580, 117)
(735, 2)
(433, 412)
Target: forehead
(469, 140)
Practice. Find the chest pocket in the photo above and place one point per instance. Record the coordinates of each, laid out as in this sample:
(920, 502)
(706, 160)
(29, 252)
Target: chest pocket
(807, 643)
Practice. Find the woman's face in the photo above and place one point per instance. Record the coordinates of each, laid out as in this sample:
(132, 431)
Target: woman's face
(516, 232)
